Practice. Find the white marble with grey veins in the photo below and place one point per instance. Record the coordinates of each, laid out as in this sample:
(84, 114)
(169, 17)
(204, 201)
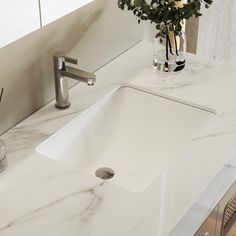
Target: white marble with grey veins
(39, 196)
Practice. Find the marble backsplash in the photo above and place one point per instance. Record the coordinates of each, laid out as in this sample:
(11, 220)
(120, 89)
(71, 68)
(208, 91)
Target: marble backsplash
(94, 33)
(217, 31)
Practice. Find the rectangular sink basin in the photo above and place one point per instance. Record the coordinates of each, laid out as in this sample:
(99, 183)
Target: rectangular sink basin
(130, 136)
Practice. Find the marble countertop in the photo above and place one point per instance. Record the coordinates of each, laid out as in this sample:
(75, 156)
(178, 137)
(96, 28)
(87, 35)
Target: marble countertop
(39, 196)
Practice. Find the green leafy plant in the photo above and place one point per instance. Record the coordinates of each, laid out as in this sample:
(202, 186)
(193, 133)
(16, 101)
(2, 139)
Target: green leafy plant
(164, 13)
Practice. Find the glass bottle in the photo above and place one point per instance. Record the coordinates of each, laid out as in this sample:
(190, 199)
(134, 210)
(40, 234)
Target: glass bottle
(170, 52)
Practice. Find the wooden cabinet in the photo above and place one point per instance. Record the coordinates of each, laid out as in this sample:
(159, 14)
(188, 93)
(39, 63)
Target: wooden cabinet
(208, 228)
(222, 220)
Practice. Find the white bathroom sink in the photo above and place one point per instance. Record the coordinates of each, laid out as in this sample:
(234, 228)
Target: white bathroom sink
(135, 133)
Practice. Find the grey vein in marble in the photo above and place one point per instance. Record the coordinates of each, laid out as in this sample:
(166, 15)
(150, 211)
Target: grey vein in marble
(87, 213)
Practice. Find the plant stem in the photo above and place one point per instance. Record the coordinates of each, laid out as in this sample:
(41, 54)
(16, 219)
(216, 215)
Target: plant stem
(167, 56)
(169, 43)
(176, 48)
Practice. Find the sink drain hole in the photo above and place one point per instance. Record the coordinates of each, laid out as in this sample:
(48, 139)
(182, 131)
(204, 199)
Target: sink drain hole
(105, 173)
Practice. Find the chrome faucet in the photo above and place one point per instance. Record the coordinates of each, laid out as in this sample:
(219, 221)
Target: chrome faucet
(61, 74)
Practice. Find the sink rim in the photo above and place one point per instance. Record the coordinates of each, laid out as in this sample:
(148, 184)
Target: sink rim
(168, 97)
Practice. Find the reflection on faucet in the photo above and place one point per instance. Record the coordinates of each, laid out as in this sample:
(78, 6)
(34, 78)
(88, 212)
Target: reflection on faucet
(79, 75)
(61, 74)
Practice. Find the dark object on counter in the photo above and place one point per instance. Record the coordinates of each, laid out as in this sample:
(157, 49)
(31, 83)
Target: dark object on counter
(1, 93)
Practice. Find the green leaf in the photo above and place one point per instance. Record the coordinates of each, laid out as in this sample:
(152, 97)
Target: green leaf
(163, 13)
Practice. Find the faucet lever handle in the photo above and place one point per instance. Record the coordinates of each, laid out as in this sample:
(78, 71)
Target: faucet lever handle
(71, 60)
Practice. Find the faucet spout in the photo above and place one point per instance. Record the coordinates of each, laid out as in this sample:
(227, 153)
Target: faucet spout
(79, 75)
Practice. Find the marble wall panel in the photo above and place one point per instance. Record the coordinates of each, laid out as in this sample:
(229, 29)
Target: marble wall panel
(217, 31)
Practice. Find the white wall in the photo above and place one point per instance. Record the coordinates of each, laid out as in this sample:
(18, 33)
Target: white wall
(18, 18)
(53, 9)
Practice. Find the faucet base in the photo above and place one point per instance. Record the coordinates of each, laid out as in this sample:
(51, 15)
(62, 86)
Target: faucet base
(62, 108)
